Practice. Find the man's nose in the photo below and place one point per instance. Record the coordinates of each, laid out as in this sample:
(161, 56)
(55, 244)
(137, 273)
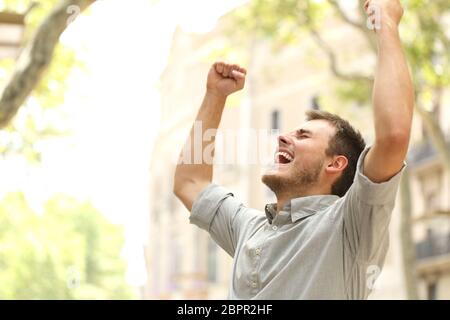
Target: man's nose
(284, 140)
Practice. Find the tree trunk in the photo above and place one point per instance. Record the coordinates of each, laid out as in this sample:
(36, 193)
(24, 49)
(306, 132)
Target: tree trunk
(436, 135)
(408, 248)
(36, 57)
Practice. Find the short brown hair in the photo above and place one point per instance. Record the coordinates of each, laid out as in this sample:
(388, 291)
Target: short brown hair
(347, 142)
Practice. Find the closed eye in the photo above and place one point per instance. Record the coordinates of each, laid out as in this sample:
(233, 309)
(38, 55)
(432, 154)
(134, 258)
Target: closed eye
(301, 134)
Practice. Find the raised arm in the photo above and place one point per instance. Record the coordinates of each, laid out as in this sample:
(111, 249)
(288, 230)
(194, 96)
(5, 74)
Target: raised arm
(393, 95)
(193, 172)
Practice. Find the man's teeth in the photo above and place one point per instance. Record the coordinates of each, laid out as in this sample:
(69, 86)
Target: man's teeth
(285, 155)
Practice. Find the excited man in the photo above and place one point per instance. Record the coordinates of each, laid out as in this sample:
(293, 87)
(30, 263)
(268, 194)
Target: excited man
(327, 235)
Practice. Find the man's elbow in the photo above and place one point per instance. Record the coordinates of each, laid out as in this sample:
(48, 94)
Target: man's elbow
(176, 191)
(188, 189)
(400, 137)
(186, 185)
(397, 140)
(180, 190)
(178, 187)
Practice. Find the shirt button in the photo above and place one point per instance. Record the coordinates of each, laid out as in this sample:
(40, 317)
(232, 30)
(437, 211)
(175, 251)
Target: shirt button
(274, 228)
(258, 251)
(254, 284)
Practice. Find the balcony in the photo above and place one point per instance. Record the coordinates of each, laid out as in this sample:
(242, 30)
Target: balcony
(434, 245)
(424, 152)
(11, 32)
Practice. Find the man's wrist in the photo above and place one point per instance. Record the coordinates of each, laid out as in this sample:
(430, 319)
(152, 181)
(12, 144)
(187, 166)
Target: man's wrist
(215, 96)
(388, 30)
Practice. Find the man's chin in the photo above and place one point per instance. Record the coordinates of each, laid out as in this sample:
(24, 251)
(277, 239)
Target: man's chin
(276, 168)
(272, 179)
(271, 173)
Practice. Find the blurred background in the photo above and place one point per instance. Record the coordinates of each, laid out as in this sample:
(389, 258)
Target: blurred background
(97, 98)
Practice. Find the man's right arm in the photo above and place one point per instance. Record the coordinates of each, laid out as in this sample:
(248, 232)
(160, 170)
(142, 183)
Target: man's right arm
(194, 173)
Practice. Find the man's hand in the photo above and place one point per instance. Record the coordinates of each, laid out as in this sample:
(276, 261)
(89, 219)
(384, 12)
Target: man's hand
(224, 79)
(389, 12)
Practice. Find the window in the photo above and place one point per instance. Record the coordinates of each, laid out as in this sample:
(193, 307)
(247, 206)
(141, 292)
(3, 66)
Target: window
(432, 291)
(315, 103)
(275, 120)
(432, 185)
(432, 200)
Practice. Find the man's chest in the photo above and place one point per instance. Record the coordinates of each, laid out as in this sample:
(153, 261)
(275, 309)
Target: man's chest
(286, 251)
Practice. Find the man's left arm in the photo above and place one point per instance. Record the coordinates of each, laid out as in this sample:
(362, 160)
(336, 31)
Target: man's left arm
(367, 206)
(393, 95)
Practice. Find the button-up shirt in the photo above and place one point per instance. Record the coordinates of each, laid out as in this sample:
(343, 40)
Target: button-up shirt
(316, 247)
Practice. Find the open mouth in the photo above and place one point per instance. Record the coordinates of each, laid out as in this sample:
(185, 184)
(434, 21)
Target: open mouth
(283, 158)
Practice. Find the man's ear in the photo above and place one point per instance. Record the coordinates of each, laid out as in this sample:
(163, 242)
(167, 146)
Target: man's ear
(337, 164)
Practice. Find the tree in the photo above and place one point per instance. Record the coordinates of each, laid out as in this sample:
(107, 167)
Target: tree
(38, 76)
(36, 57)
(427, 46)
(70, 251)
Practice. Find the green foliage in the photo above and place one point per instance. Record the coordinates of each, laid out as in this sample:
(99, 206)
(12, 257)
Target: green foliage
(424, 31)
(281, 21)
(428, 42)
(70, 251)
(24, 132)
(356, 91)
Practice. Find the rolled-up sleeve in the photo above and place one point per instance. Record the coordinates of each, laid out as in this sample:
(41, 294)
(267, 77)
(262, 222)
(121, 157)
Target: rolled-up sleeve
(367, 209)
(217, 211)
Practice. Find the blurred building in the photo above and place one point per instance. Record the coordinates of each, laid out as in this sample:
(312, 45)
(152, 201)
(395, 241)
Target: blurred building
(282, 84)
(182, 261)
(12, 27)
(430, 188)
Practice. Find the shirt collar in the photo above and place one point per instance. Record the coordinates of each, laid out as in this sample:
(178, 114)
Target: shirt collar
(301, 207)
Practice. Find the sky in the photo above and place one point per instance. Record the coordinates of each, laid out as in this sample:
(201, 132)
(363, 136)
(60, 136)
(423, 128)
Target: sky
(113, 112)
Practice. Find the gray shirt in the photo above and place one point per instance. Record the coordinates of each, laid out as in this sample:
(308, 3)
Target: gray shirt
(317, 247)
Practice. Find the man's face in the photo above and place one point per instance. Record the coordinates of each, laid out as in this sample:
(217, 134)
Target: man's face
(300, 158)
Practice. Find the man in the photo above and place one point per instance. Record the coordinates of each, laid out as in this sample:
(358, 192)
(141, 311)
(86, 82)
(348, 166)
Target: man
(327, 235)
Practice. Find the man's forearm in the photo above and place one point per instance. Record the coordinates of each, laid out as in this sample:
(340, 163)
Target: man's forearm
(208, 117)
(393, 94)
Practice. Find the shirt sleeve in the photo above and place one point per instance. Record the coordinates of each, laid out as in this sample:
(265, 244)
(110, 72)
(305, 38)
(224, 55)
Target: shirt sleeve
(367, 209)
(217, 211)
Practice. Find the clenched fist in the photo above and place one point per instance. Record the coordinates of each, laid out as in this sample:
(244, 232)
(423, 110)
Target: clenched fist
(388, 12)
(224, 79)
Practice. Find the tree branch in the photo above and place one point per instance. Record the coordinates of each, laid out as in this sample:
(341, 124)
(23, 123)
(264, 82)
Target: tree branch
(360, 25)
(436, 134)
(344, 16)
(332, 57)
(36, 57)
